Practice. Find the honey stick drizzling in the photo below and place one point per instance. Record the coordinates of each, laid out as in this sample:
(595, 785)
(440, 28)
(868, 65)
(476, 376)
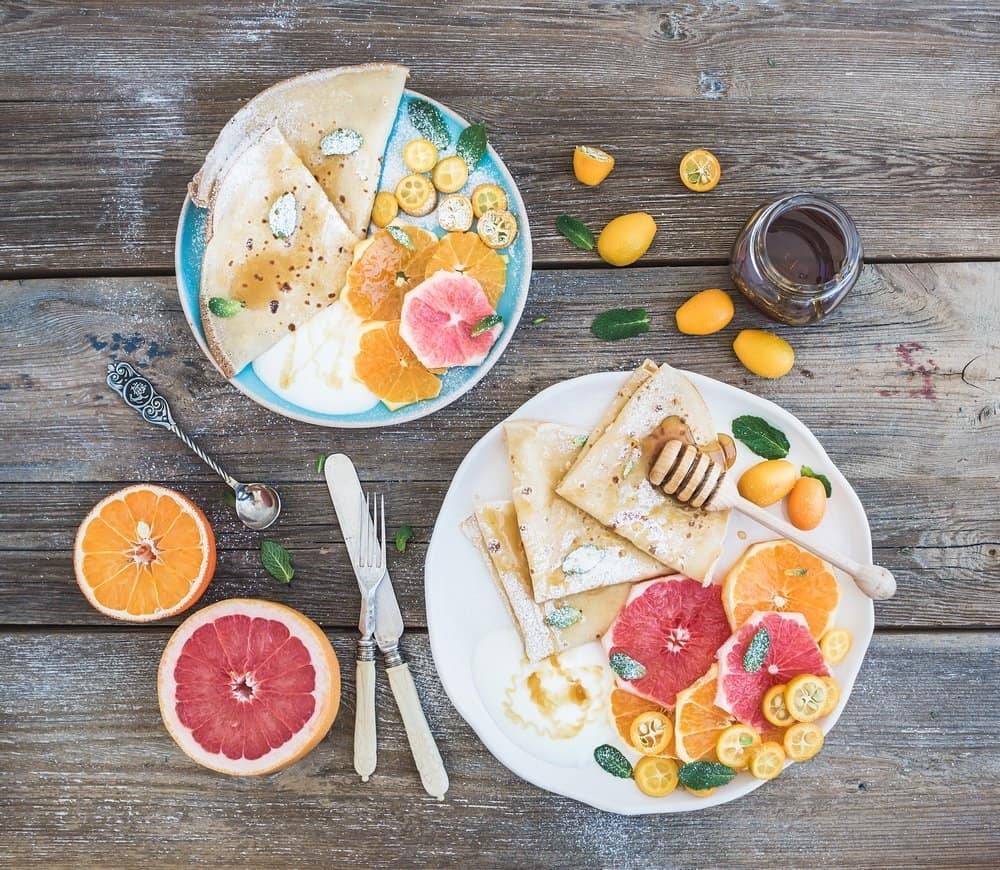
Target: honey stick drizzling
(688, 474)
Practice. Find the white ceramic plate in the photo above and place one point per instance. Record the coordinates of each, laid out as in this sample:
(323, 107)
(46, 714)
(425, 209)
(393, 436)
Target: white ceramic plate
(466, 614)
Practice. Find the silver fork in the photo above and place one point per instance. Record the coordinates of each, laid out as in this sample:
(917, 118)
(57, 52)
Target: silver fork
(370, 571)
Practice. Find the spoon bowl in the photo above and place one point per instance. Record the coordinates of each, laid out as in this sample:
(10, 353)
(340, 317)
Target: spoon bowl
(257, 505)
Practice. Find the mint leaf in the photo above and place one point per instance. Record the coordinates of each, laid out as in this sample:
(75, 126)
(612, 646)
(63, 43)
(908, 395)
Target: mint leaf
(627, 667)
(538, 320)
(699, 775)
(229, 498)
(224, 307)
(822, 478)
(612, 761)
(485, 324)
(342, 141)
(403, 535)
(283, 216)
(401, 236)
(276, 561)
(563, 617)
(471, 145)
(576, 231)
(620, 323)
(761, 437)
(320, 463)
(429, 121)
(753, 658)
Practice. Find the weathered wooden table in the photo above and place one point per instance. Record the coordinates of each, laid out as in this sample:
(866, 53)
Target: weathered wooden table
(108, 107)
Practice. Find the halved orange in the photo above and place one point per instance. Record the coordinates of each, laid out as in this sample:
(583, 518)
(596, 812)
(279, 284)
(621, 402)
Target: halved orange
(778, 575)
(466, 253)
(143, 553)
(381, 276)
(386, 365)
(697, 721)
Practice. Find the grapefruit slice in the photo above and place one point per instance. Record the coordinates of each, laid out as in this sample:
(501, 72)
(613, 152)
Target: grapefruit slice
(439, 317)
(386, 271)
(467, 254)
(697, 721)
(791, 651)
(672, 628)
(143, 553)
(781, 576)
(248, 687)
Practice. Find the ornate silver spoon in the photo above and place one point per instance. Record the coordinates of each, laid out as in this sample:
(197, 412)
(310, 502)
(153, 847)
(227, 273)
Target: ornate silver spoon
(257, 504)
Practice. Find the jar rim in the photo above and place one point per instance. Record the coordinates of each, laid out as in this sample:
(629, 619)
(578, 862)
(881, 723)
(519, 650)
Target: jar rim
(852, 243)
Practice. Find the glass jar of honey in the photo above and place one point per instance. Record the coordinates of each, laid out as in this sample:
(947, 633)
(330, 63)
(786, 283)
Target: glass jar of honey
(797, 258)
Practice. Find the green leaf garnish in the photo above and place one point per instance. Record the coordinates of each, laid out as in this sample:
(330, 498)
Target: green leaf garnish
(563, 617)
(576, 231)
(229, 498)
(320, 463)
(403, 535)
(224, 307)
(341, 141)
(471, 145)
(283, 217)
(486, 324)
(583, 559)
(612, 761)
(276, 561)
(538, 320)
(822, 478)
(699, 775)
(796, 572)
(581, 440)
(401, 236)
(627, 667)
(429, 122)
(620, 323)
(761, 437)
(753, 658)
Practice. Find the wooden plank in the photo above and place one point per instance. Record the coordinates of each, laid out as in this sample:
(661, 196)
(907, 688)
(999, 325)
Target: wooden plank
(109, 109)
(880, 383)
(90, 775)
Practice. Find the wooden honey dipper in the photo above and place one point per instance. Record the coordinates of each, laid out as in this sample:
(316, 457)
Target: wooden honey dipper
(694, 479)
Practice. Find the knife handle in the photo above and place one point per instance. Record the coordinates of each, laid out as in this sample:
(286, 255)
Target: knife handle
(365, 752)
(418, 732)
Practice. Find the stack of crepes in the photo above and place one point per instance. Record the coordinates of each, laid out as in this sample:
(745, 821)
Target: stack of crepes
(584, 523)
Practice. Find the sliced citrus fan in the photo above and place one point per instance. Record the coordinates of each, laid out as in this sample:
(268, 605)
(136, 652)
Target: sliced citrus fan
(143, 553)
(780, 576)
(466, 253)
(386, 365)
(697, 721)
(386, 270)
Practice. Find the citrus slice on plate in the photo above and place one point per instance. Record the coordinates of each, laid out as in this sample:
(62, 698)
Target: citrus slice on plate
(806, 696)
(248, 687)
(625, 707)
(802, 741)
(835, 645)
(467, 254)
(386, 270)
(651, 733)
(143, 553)
(736, 745)
(767, 760)
(450, 174)
(385, 208)
(416, 195)
(780, 576)
(420, 155)
(386, 365)
(487, 197)
(655, 776)
(697, 721)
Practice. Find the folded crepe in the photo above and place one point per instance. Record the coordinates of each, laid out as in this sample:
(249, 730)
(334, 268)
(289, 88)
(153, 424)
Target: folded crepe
(545, 628)
(609, 481)
(567, 550)
(359, 99)
(277, 253)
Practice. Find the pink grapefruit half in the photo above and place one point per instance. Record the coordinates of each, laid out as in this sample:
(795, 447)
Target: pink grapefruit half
(439, 316)
(672, 627)
(791, 651)
(248, 687)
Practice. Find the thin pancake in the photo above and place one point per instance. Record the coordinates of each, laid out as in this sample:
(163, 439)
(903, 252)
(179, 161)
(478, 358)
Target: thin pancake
(493, 530)
(306, 108)
(280, 282)
(610, 481)
(552, 529)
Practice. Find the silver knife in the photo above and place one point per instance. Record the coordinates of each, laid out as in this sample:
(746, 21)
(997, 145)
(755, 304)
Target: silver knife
(345, 491)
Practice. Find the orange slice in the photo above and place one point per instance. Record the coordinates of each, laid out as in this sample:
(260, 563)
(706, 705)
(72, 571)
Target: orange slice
(386, 365)
(466, 253)
(382, 275)
(698, 723)
(625, 708)
(143, 553)
(778, 575)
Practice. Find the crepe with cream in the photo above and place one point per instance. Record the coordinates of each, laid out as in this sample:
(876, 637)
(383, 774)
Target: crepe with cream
(545, 628)
(567, 550)
(610, 482)
(277, 253)
(360, 99)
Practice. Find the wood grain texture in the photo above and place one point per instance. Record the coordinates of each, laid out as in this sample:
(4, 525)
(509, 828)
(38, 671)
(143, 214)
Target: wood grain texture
(108, 109)
(880, 383)
(91, 777)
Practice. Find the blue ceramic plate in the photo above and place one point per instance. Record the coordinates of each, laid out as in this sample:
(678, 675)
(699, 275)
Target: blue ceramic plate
(190, 249)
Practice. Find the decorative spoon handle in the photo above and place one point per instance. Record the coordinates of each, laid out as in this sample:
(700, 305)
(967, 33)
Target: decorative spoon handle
(139, 394)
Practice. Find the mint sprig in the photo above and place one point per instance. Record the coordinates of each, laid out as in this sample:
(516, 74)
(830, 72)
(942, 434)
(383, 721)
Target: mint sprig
(756, 652)
(761, 437)
(277, 561)
(485, 324)
(822, 478)
(429, 121)
(700, 775)
(620, 323)
(471, 145)
(403, 535)
(576, 231)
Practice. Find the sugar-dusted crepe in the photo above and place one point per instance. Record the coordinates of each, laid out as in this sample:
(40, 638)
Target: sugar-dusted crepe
(545, 628)
(567, 550)
(357, 100)
(278, 252)
(610, 482)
